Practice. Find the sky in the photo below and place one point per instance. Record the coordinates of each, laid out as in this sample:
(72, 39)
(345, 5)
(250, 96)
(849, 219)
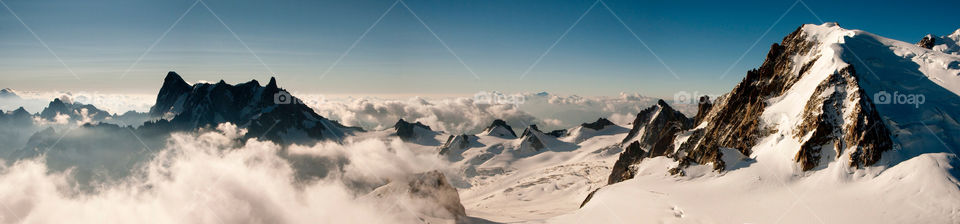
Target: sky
(423, 47)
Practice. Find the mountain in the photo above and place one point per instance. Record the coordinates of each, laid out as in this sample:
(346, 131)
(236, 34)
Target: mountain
(499, 128)
(8, 93)
(73, 111)
(415, 132)
(863, 124)
(589, 130)
(949, 44)
(267, 111)
(455, 142)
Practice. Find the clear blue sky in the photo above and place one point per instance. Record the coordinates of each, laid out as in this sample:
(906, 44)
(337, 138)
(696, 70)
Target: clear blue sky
(498, 39)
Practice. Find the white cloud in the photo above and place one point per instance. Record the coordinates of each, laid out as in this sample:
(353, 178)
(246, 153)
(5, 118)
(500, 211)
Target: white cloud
(208, 178)
(464, 115)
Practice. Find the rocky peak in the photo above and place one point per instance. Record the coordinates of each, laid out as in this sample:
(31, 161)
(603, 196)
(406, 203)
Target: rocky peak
(597, 125)
(500, 128)
(171, 94)
(529, 130)
(407, 131)
(248, 105)
(735, 121)
(455, 142)
(927, 41)
(703, 107)
(650, 121)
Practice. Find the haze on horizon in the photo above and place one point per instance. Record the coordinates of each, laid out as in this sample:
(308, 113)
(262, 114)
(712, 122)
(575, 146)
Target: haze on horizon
(411, 47)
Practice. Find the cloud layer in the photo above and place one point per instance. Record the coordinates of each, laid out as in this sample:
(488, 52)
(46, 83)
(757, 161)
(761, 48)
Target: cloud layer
(210, 178)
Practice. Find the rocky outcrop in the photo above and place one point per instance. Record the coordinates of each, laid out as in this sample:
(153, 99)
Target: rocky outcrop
(597, 125)
(532, 138)
(927, 41)
(621, 171)
(408, 131)
(499, 128)
(734, 121)
(838, 115)
(703, 107)
(455, 142)
(557, 133)
(648, 126)
(172, 95)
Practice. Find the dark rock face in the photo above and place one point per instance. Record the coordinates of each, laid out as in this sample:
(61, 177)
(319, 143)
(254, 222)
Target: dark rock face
(633, 154)
(927, 42)
(589, 196)
(500, 129)
(557, 133)
(703, 108)
(653, 121)
(823, 115)
(265, 111)
(171, 96)
(455, 142)
(597, 125)
(406, 130)
(532, 137)
(735, 122)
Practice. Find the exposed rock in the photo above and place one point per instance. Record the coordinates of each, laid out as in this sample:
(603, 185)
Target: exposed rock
(589, 196)
(531, 138)
(171, 96)
(621, 171)
(500, 128)
(557, 133)
(408, 131)
(266, 112)
(455, 142)
(734, 121)
(597, 125)
(927, 42)
(649, 123)
(703, 108)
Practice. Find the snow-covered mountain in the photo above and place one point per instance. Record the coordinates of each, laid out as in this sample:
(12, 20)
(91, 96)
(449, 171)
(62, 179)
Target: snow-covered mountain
(859, 122)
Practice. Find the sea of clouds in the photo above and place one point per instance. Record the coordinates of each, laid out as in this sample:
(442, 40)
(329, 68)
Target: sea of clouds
(210, 177)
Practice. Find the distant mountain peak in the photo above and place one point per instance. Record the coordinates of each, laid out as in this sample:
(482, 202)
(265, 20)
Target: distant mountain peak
(248, 105)
(500, 128)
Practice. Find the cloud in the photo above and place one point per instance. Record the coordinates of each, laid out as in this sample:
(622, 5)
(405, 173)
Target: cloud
(211, 178)
(465, 115)
(113, 103)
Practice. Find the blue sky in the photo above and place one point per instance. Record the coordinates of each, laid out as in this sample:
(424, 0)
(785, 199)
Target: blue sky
(497, 39)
